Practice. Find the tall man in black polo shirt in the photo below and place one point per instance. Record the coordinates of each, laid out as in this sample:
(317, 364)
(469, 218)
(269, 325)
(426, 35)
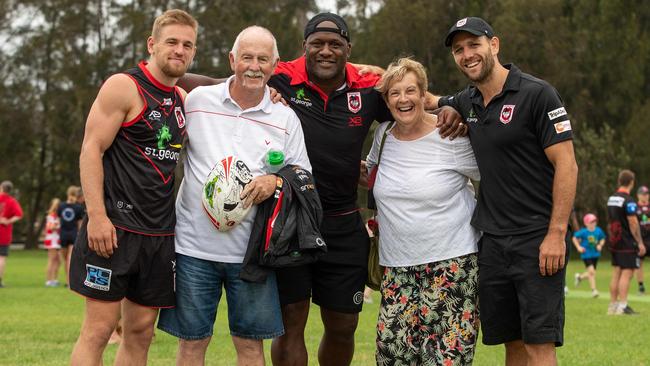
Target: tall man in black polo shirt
(522, 139)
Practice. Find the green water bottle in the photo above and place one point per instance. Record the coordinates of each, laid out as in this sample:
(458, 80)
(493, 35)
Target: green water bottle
(274, 161)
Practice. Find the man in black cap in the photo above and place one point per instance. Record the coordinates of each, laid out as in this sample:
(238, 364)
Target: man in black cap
(522, 140)
(336, 106)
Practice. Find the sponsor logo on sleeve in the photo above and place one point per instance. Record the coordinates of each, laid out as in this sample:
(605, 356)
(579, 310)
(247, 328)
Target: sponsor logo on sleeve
(556, 113)
(98, 278)
(563, 126)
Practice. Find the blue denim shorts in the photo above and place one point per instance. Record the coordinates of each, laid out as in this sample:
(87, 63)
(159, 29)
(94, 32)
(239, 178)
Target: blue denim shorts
(253, 308)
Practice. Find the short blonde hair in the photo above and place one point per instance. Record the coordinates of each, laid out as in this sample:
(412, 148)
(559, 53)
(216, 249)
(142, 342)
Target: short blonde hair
(173, 16)
(396, 72)
(73, 191)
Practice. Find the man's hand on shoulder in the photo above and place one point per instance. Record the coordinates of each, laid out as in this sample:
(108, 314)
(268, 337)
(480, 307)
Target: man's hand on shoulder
(277, 97)
(368, 69)
(450, 123)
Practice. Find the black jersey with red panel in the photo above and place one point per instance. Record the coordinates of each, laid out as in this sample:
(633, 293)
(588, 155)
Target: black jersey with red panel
(139, 165)
(619, 206)
(335, 127)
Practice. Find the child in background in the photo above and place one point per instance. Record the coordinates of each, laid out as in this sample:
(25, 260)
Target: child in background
(52, 244)
(589, 242)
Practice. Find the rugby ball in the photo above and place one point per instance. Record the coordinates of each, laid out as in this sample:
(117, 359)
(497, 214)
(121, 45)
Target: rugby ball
(221, 193)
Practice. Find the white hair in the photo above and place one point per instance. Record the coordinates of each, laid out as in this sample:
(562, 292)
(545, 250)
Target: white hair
(255, 28)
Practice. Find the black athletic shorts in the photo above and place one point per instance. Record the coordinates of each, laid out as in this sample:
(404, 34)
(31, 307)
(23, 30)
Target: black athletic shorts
(68, 238)
(591, 262)
(516, 301)
(626, 260)
(142, 269)
(4, 250)
(337, 280)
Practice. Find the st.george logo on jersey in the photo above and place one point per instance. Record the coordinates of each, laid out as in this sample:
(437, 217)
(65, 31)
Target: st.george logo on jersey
(506, 113)
(354, 101)
(179, 117)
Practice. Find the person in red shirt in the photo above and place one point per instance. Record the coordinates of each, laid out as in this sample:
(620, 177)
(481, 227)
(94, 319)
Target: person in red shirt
(10, 212)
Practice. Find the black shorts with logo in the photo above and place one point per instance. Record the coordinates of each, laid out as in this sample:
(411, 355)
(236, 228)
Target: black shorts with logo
(337, 280)
(140, 269)
(517, 302)
(626, 259)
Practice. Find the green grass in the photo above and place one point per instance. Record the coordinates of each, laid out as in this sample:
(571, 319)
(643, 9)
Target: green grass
(38, 325)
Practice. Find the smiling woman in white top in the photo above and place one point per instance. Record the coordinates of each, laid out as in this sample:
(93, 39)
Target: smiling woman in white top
(425, 201)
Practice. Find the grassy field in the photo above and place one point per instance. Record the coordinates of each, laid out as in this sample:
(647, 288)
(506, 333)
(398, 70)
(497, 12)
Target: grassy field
(38, 325)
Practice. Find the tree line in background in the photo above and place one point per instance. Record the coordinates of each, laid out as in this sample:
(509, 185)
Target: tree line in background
(56, 53)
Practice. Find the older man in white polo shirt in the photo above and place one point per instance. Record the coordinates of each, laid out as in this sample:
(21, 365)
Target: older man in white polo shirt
(236, 122)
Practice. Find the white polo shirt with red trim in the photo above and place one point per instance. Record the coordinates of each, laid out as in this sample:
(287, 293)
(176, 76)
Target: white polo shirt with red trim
(218, 128)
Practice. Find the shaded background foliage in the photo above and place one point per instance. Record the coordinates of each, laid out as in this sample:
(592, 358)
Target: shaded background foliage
(56, 53)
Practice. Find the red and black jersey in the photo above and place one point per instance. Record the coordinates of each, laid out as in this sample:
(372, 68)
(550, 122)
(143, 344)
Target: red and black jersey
(139, 165)
(335, 127)
(619, 206)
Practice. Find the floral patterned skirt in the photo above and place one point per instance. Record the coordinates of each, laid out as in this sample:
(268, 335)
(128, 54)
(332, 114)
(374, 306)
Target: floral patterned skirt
(429, 313)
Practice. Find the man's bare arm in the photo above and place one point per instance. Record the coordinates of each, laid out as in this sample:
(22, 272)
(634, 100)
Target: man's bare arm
(118, 101)
(190, 81)
(552, 251)
(635, 228)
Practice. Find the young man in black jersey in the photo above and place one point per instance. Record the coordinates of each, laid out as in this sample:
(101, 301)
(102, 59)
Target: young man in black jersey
(124, 255)
(522, 140)
(625, 243)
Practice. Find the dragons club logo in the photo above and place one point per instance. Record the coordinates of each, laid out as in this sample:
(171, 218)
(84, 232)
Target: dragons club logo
(354, 101)
(506, 113)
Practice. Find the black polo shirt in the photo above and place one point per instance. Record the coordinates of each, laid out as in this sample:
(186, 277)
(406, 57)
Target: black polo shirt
(335, 127)
(620, 205)
(509, 136)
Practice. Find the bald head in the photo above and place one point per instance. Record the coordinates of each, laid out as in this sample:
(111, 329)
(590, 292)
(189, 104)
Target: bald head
(255, 33)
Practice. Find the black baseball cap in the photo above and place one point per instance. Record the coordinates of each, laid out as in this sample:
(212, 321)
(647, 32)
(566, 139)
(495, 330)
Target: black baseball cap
(642, 190)
(312, 25)
(473, 25)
